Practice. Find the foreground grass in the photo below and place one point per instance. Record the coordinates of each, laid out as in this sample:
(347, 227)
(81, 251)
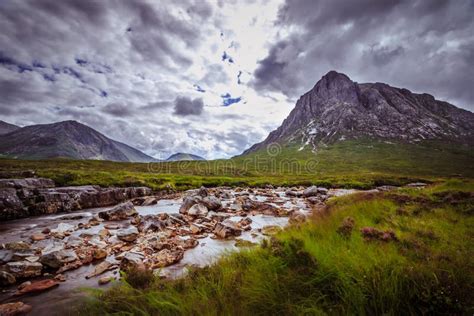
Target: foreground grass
(313, 269)
(351, 164)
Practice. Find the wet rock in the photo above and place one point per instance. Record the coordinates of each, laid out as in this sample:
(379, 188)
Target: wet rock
(27, 183)
(38, 286)
(167, 257)
(128, 234)
(226, 229)
(99, 254)
(120, 212)
(345, 229)
(198, 210)
(6, 278)
(111, 226)
(196, 228)
(293, 193)
(46, 231)
(150, 201)
(63, 227)
(271, 230)
(5, 255)
(38, 237)
(101, 268)
(203, 192)
(74, 241)
(60, 278)
(105, 280)
(24, 269)
(212, 203)
(244, 223)
(57, 258)
(188, 202)
(297, 217)
(313, 199)
(13, 309)
(132, 261)
(103, 233)
(310, 191)
(190, 243)
(21, 255)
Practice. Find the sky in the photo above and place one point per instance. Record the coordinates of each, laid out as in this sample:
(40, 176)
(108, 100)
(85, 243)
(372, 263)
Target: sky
(214, 77)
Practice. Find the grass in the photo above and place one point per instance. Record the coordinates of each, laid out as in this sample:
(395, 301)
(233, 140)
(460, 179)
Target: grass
(351, 164)
(313, 269)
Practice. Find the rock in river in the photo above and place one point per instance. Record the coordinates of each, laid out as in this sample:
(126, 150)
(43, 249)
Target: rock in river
(198, 210)
(24, 269)
(38, 286)
(227, 228)
(120, 212)
(57, 258)
(13, 309)
(6, 278)
(128, 234)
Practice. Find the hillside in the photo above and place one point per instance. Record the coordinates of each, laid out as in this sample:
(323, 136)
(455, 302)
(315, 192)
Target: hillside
(68, 139)
(6, 128)
(184, 157)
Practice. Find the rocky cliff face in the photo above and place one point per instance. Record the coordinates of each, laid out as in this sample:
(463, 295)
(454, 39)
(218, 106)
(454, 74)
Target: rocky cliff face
(38, 196)
(338, 108)
(68, 139)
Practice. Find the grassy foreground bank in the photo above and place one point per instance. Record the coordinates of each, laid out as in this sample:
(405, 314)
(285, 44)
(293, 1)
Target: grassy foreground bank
(403, 252)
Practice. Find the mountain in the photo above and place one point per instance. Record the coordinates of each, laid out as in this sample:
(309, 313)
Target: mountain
(183, 156)
(6, 128)
(338, 109)
(68, 139)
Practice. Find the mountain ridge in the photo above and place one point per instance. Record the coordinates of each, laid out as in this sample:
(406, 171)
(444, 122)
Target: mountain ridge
(337, 108)
(6, 128)
(66, 139)
(183, 157)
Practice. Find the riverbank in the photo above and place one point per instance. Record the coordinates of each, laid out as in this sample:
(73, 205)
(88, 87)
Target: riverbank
(400, 252)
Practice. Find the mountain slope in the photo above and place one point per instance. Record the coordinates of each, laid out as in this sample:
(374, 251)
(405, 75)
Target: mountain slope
(6, 128)
(338, 109)
(184, 156)
(68, 139)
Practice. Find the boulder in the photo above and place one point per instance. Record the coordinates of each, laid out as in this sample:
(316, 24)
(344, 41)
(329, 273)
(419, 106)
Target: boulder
(293, 193)
(310, 191)
(202, 192)
(62, 228)
(128, 234)
(38, 286)
(6, 278)
(24, 269)
(120, 212)
(188, 202)
(101, 268)
(198, 210)
(212, 203)
(13, 309)
(57, 258)
(6, 255)
(226, 229)
(132, 261)
(27, 183)
(167, 257)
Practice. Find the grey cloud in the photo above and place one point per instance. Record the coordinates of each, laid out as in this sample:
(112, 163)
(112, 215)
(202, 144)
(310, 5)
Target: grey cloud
(425, 46)
(185, 106)
(118, 109)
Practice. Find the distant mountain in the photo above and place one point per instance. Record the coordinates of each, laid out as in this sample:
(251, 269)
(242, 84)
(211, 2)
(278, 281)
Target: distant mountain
(6, 128)
(337, 109)
(68, 139)
(183, 156)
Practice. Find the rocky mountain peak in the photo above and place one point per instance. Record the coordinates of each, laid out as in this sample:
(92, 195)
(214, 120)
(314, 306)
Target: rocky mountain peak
(338, 108)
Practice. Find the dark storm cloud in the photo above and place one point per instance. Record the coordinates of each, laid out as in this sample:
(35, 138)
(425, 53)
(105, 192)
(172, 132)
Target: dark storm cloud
(184, 106)
(425, 46)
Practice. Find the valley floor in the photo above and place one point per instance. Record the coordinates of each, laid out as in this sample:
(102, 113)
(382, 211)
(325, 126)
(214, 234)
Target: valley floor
(407, 251)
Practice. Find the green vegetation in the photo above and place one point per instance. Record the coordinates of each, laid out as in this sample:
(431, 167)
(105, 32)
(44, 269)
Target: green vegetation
(356, 164)
(327, 266)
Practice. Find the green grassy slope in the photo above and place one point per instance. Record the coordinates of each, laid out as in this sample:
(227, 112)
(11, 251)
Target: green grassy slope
(314, 269)
(360, 164)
